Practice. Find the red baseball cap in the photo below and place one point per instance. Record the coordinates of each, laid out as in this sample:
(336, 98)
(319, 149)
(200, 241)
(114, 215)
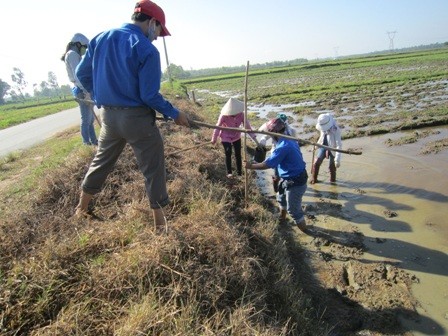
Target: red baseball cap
(153, 10)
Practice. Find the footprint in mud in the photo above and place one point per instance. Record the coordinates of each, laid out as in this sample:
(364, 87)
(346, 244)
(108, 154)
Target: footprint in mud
(360, 191)
(390, 213)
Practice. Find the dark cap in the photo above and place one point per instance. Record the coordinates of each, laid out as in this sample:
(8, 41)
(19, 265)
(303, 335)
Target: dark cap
(276, 125)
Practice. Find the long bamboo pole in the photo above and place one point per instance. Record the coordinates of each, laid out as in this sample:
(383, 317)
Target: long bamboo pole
(246, 175)
(307, 142)
(168, 71)
(312, 160)
(303, 141)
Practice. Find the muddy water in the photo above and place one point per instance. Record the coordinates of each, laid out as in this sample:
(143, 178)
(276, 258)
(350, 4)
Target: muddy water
(398, 199)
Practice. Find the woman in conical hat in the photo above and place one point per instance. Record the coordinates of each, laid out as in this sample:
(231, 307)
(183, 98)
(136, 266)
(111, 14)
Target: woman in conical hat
(232, 115)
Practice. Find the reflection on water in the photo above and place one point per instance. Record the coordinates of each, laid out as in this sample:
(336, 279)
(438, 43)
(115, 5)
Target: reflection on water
(414, 188)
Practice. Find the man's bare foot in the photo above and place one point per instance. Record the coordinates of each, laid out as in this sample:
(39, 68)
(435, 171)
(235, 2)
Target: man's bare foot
(80, 214)
(160, 223)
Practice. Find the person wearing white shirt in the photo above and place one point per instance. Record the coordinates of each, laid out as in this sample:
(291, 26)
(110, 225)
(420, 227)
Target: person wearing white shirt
(330, 135)
(75, 49)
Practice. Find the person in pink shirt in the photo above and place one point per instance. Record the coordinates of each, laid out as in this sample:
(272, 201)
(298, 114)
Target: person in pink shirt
(232, 115)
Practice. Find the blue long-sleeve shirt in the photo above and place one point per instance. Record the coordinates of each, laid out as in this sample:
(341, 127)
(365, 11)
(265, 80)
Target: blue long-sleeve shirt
(287, 157)
(122, 68)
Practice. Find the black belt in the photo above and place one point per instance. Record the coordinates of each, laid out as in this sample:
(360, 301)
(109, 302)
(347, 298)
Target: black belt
(294, 181)
(125, 107)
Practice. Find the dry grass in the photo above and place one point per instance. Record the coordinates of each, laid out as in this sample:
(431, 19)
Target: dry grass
(221, 269)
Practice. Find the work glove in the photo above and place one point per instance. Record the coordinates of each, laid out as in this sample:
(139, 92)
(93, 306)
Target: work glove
(260, 154)
(275, 183)
(262, 148)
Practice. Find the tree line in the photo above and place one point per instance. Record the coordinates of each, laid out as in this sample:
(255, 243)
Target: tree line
(45, 89)
(177, 72)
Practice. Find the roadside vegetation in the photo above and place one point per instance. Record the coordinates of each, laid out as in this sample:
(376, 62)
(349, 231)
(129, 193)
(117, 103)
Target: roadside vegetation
(19, 112)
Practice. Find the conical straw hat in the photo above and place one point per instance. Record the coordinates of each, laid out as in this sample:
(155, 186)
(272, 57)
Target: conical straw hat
(232, 107)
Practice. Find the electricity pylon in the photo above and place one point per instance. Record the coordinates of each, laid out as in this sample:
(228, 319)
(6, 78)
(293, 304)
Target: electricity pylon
(391, 35)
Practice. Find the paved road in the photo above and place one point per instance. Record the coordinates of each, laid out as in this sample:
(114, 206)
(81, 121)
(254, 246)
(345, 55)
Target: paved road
(35, 131)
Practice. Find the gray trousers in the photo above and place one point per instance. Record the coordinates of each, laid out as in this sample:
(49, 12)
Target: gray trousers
(137, 127)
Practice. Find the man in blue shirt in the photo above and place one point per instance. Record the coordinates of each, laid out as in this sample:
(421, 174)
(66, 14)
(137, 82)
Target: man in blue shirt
(288, 160)
(121, 70)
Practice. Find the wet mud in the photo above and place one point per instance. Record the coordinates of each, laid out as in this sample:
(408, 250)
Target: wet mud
(378, 239)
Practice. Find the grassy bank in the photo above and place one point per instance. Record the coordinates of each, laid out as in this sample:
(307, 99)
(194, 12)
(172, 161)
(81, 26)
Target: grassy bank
(221, 269)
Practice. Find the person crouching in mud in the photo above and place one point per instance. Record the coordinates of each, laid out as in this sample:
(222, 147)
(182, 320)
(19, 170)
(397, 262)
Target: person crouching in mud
(264, 138)
(288, 160)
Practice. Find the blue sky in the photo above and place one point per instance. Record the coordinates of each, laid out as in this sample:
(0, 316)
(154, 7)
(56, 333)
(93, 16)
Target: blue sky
(213, 33)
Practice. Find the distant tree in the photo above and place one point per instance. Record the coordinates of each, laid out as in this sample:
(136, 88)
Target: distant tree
(176, 72)
(53, 83)
(18, 77)
(14, 96)
(66, 90)
(36, 91)
(45, 90)
(4, 87)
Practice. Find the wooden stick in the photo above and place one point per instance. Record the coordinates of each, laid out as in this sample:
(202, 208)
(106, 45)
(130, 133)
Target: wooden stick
(307, 142)
(193, 147)
(246, 175)
(96, 117)
(175, 147)
(91, 102)
(312, 160)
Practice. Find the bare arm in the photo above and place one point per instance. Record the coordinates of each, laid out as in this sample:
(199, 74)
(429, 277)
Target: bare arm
(256, 166)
